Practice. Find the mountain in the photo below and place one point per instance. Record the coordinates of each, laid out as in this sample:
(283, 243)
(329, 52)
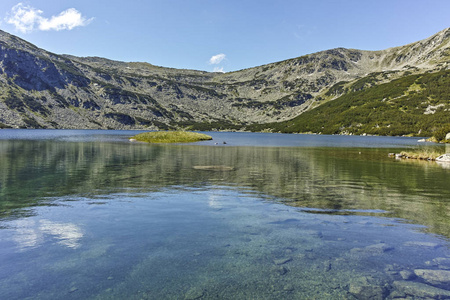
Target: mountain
(416, 105)
(39, 89)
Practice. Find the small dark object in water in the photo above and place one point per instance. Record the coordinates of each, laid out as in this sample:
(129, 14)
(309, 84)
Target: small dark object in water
(224, 142)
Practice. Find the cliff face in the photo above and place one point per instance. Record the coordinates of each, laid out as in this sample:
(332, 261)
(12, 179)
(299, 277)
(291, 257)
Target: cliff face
(39, 89)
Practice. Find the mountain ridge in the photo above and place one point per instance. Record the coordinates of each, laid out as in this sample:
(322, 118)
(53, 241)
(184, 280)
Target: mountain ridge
(40, 89)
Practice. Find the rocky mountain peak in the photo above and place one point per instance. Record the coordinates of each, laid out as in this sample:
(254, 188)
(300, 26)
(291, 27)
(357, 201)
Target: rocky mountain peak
(42, 89)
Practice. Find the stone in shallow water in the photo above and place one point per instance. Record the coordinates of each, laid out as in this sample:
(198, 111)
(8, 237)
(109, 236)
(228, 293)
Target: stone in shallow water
(289, 250)
(312, 233)
(327, 266)
(379, 248)
(367, 288)
(282, 261)
(392, 269)
(434, 276)
(418, 289)
(442, 263)
(282, 270)
(286, 222)
(421, 244)
(194, 293)
(407, 275)
(375, 249)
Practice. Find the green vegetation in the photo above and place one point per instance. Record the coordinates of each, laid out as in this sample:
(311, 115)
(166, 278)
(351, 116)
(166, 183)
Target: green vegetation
(440, 134)
(171, 137)
(425, 154)
(337, 89)
(414, 105)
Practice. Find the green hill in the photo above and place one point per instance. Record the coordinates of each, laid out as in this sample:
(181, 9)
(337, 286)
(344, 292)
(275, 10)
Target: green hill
(416, 105)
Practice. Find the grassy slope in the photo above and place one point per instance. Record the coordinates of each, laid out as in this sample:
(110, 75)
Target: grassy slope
(394, 108)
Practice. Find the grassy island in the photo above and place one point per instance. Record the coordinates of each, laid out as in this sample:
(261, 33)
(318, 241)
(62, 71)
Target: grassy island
(420, 154)
(171, 137)
(428, 155)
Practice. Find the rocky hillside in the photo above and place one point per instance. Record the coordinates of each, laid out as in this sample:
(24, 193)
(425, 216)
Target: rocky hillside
(39, 89)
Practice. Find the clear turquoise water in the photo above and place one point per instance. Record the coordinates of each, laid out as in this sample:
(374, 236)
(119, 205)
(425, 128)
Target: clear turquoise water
(89, 215)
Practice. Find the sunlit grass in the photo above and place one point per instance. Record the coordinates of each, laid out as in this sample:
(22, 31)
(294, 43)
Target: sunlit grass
(427, 154)
(171, 137)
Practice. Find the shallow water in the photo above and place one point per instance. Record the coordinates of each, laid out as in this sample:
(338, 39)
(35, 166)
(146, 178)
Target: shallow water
(89, 215)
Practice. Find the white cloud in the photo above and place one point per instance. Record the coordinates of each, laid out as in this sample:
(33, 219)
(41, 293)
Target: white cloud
(68, 19)
(217, 59)
(26, 19)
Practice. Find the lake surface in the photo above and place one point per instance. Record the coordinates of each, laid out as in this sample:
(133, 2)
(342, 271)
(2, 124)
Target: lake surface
(86, 214)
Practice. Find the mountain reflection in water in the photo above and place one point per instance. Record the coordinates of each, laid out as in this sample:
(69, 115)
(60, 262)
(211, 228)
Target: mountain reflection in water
(321, 180)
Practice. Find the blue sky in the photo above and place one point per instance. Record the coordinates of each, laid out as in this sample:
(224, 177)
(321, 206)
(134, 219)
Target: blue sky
(225, 35)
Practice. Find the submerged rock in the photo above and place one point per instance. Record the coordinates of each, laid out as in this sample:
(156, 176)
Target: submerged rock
(289, 250)
(418, 289)
(282, 270)
(421, 244)
(368, 288)
(282, 261)
(434, 276)
(288, 287)
(194, 293)
(407, 275)
(312, 233)
(327, 266)
(442, 262)
(375, 249)
(379, 248)
(391, 269)
(286, 222)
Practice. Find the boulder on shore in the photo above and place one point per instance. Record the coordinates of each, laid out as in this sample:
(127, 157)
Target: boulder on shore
(444, 158)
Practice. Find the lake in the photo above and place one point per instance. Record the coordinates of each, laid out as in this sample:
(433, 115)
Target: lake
(87, 214)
